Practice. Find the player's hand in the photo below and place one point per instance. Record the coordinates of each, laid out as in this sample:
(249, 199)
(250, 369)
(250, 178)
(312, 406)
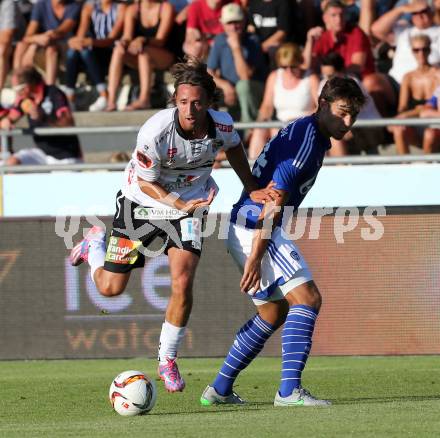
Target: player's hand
(194, 204)
(250, 281)
(268, 194)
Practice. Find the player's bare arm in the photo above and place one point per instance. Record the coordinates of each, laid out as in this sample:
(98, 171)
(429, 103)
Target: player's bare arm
(238, 161)
(156, 191)
(268, 220)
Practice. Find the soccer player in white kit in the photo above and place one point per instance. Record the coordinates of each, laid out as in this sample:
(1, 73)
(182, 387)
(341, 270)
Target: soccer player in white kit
(274, 272)
(166, 185)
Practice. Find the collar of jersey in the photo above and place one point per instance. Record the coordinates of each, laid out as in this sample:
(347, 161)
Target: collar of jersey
(181, 132)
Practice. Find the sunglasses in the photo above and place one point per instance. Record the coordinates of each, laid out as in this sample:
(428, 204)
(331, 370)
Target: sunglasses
(424, 11)
(421, 49)
(291, 67)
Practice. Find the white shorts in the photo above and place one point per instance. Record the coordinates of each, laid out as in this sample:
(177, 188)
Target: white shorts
(282, 269)
(8, 15)
(37, 156)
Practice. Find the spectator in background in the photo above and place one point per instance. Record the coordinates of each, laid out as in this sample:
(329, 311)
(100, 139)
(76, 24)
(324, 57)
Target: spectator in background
(44, 105)
(100, 24)
(436, 11)
(237, 64)
(177, 37)
(202, 26)
(354, 47)
(290, 91)
(417, 88)
(8, 24)
(272, 21)
(52, 21)
(349, 41)
(423, 23)
(144, 46)
(431, 136)
(358, 140)
(120, 157)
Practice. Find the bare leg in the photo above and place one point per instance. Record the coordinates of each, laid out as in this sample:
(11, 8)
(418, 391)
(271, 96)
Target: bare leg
(20, 50)
(183, 265)
(145, 72)
(29, 55)
(274, 312)
(402, 145)
(110, 284)
(51, 56)
(114, 76)
(431, 141)
(5, 52)
(306, 294)
(384, 95)
(258, 140)
(12, 161)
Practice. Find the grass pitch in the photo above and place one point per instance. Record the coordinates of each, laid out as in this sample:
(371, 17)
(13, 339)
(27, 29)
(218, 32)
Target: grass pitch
(374, 396)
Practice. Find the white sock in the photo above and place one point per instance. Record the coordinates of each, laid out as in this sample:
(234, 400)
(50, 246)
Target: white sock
(96, 257)
(170, 339)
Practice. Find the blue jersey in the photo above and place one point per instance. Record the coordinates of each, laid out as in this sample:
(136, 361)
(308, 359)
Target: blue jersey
(292, 160)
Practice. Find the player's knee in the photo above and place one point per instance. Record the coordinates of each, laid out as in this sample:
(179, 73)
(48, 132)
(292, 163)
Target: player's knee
(182, 283)
(110, 289)
(314, 297)
(316, 300)
(307, 294)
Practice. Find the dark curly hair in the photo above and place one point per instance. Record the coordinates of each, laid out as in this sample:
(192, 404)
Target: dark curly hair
(343, 88)
(192, 71)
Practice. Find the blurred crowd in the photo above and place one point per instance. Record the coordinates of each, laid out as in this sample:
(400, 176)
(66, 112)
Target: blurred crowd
(269, 58)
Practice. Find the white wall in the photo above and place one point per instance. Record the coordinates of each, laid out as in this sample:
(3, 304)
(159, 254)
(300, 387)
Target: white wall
(83, 193)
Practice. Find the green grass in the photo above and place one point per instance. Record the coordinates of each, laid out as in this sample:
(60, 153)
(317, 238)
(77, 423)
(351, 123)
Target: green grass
(374, 396)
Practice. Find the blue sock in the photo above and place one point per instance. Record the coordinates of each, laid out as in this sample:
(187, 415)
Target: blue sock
(248, 342)
(296, 341)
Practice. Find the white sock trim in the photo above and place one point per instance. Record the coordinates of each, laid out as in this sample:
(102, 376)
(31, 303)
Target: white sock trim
(96, 257)
(170, 339)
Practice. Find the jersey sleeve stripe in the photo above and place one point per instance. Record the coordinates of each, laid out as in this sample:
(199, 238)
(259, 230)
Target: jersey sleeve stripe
(291, 130)
(306, 145)
(309, 151)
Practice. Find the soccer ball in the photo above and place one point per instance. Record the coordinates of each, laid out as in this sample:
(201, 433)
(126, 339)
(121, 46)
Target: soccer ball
(132, 393)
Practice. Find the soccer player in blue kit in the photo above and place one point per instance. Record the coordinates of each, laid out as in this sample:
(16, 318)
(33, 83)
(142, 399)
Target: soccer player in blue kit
(274, 272)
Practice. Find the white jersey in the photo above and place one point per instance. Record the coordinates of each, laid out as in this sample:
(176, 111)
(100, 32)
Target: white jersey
(181, 166)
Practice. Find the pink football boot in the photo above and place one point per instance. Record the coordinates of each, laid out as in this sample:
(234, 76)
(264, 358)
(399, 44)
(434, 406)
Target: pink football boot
(170, 375)
(80, 252)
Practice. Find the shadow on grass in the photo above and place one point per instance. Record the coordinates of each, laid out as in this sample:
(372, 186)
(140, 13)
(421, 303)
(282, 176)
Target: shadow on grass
(218, 409)
(390, 399)
(255, 406)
